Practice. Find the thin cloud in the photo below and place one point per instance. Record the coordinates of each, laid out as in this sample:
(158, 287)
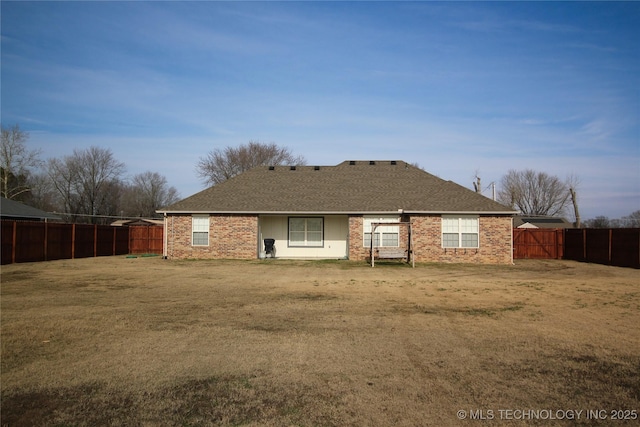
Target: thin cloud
(455, 87)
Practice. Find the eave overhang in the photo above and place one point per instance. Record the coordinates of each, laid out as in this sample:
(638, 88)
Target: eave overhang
(392, 212)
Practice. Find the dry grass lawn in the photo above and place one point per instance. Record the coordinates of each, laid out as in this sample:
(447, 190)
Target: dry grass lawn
(117, 341)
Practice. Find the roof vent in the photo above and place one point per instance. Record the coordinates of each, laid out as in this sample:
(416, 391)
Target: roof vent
(293, 168)
(372, 162)
(352, 162)
(393, 162)
(316, 168)
(272, 168)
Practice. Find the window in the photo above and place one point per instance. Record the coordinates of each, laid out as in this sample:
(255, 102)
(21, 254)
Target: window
(306, 232)
(385, 235)
(200, 230)
(460, 232)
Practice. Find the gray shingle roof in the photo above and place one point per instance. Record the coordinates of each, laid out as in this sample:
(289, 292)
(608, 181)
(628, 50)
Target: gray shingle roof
(542, 221)
(351, 187)
(16, 210)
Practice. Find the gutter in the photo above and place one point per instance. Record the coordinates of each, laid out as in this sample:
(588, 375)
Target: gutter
(399, 211)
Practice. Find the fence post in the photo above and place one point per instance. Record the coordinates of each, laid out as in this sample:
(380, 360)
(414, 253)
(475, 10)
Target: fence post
(14, 236)
(46, 235)
(610, 244)
(95, 240)
(73, 241)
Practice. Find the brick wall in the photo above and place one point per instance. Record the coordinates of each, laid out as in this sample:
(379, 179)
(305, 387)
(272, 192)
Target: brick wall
(230, 236)
(495, 241)
(236, 236)
(356, 251)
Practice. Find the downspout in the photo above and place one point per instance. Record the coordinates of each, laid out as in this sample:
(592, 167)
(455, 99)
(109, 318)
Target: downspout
(259, 238)
(165, 239)
(511, 240)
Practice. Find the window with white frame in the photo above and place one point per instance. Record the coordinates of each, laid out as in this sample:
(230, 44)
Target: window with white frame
(384, 235)
(306, 232)
(460, 231)
(200, 230)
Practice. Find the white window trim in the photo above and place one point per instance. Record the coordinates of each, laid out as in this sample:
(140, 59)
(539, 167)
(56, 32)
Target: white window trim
(306, 243)
(380, 230)
(193, 230)
(460, 231)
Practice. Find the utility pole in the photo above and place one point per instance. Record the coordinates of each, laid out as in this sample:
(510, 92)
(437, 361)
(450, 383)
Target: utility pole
(574, 199)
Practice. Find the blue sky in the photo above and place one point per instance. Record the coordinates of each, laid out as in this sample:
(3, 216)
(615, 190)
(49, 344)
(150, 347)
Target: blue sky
(461, 88)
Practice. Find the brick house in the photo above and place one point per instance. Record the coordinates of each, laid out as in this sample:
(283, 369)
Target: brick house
(325, 212)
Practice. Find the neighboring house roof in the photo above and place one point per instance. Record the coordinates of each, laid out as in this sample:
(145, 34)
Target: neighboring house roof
(350, 187)
(136, 221)
(540, 222)
(10, 209)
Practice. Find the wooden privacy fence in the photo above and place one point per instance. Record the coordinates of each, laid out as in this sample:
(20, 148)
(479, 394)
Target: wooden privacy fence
(538, 243)
(145, 239)
(30, 241)
(612, 246)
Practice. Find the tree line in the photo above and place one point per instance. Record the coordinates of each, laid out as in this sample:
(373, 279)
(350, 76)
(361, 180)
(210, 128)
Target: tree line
(540, 194)
(87, 186)
(629, 221)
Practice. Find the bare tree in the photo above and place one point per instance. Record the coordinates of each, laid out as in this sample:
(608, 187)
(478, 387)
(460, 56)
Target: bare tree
(477, 186)
(88, 182)
(221, 164)
(147, 193)
(15, 162)
(42, 194)
(98, 173)
(572, 183)
(534, 193)
(600, 221)
(63, 175)
(632, 220)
